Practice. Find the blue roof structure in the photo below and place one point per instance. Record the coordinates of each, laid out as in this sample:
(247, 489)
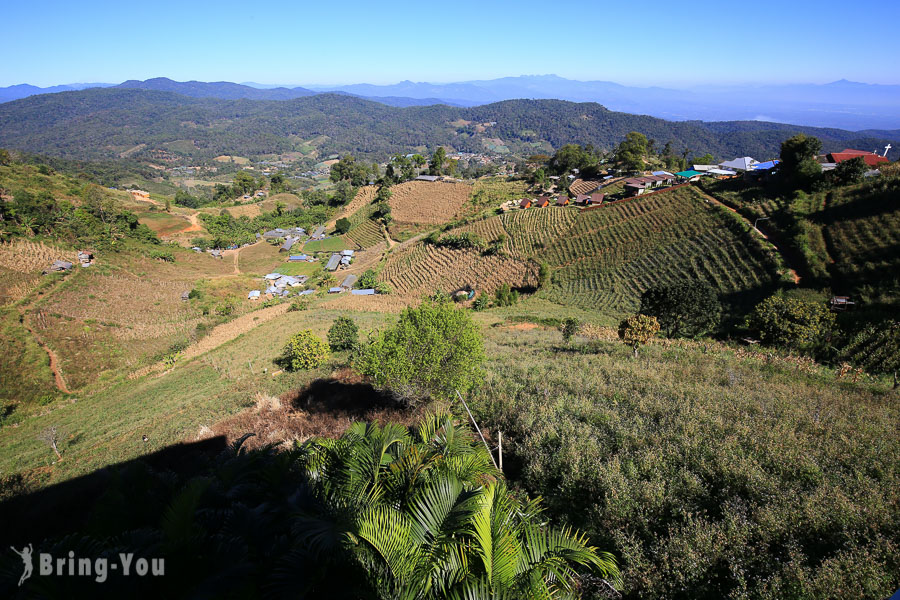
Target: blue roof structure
(765, 166)
(366, 292)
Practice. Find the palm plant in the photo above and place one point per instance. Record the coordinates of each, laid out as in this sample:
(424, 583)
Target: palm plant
(424, 514)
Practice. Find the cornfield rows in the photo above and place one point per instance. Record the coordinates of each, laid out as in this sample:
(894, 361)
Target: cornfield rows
(31, 257)
(611, 256)
(422, 268)
(602, 259)
(862, 229)
(366, 234)
(21, 264)
(427, 202)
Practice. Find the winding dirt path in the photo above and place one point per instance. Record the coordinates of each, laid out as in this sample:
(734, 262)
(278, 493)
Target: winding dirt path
(54, 360)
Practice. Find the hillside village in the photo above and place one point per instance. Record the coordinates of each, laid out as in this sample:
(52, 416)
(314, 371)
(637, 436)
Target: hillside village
(673, 337)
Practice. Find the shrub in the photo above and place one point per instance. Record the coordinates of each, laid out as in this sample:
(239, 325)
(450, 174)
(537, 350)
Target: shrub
(343, 334)
(570, 328)
(433, 350)
(299, 303)
(225, 308)
(195, 293)
(791, 322)
(164, 255)
(369, 279)
(342, 225)
(637, 330)
(506, 296)
(482, 302)
(304, 351)
(689, 308)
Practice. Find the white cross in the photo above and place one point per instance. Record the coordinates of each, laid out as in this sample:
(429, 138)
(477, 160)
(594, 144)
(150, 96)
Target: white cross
(886, 148)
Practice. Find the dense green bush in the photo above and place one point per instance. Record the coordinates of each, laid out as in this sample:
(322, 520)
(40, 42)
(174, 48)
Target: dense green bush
(432, 351)
(795, 323)
(343, 334)
(304, 351)
(686, 308)
(342, 225)
(506, 296)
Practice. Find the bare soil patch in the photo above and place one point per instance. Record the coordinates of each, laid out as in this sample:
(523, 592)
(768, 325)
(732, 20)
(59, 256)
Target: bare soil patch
(325, 408)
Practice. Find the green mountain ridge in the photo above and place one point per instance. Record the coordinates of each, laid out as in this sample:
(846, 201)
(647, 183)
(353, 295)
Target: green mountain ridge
(99, 124)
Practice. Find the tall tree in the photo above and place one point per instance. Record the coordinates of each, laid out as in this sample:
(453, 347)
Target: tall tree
(437, 162)
(631, 151)
(799, 169)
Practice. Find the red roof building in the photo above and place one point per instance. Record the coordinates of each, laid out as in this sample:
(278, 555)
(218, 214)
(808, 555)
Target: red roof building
(542, 202)
(525, 203)
(872, 159)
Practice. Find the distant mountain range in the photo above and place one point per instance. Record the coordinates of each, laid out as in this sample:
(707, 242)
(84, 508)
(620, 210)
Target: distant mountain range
(223, 90)
(841, 104)
(153, 125)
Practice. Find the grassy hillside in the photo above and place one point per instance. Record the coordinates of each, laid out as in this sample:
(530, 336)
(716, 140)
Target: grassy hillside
(711, 471)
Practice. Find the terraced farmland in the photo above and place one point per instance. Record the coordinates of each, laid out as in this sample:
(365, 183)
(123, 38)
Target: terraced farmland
(422, 268)
(425, 202)
(21, 264)
(861, 226)
(366, 234)
(610, 256)
(602, 259)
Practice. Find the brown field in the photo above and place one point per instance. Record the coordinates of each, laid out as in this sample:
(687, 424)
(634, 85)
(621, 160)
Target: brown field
(21, 264)
(364, 196)
(165, 224)
(258, 259)
(428, 203)
(387, 303)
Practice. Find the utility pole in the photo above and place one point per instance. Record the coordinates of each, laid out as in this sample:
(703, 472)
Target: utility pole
(500, 447)
(491, 454)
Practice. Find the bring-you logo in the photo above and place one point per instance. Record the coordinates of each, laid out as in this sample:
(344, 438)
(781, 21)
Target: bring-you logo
(98, 568)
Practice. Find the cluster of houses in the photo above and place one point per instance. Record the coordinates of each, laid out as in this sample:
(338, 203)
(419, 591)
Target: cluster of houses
(340, 260)
(85, 259)
(347, 286)
(278, 285)
(872, 159)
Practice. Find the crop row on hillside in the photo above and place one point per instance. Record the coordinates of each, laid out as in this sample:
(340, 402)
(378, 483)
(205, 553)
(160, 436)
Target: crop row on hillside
(423, 268)
(425, 202)
(366, 234)
(612, 255)
(21, 264)
(861, 226)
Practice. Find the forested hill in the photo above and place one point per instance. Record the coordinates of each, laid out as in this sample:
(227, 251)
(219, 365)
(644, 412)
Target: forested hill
(104, 123)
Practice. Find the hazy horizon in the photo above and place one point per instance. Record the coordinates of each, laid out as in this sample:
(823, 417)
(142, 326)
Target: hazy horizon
(99, 41)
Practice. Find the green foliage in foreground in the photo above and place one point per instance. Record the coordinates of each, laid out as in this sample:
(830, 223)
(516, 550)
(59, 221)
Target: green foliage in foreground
(710, 475)
(388, 513)
(432, 351)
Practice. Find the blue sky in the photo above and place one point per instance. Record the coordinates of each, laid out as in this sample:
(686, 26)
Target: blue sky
(636, 43)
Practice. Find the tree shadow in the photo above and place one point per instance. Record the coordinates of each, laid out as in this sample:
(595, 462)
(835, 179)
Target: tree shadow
(352, 398)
